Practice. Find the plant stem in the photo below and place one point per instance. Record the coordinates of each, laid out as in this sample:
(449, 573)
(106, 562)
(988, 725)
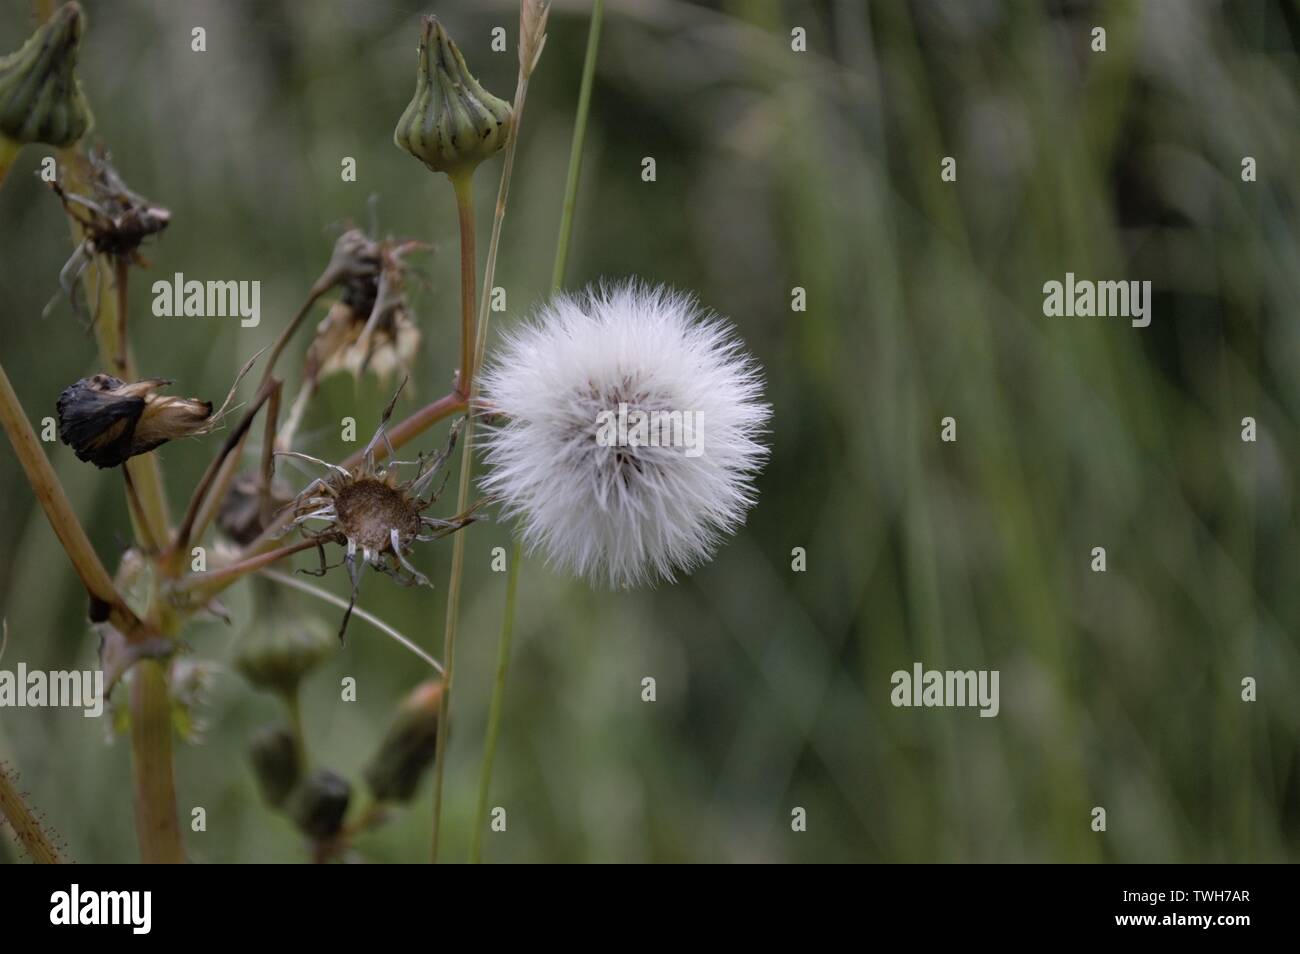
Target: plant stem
(489, 273)
(49, 492)
(282, 339)
(557, 281)
(415, 425)
(30, 834)
(575, 149)
(8, 153)
(494, 713)
(324, 595)
(178, 550)
(293, 703)
(156, 824)
(201, 587)
(463, 184)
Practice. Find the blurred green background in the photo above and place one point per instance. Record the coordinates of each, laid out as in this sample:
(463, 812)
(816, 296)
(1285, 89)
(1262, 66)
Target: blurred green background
(775, 169)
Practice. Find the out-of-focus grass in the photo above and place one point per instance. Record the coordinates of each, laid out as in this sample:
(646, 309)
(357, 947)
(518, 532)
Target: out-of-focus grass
(775, 169)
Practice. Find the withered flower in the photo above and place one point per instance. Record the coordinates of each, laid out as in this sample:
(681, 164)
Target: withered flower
(370, 327)
(373, 515)
(107, 421)
(114, 220)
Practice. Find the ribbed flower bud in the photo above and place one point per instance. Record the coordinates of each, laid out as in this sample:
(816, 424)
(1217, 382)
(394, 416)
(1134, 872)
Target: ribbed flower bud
(40, 97)
(320, 803)
(452, 123)
(274, 755)
(408, 747)
(280, 646)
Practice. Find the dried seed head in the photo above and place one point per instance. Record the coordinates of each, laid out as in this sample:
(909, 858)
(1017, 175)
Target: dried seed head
(374, 516)
(40, 96)
(320, 803)
(280, 647)
(107, 421)
(274, 755)
(369, 510)
(452, 123)
(408, 747)
(532, 33)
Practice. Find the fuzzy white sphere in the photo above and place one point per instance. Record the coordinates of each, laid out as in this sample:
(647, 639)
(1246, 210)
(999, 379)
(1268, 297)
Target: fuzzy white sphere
(590, 494)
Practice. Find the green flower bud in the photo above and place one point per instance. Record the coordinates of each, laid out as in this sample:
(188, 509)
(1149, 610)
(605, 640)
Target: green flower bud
(280, 647)
(274, 755)
(408, 747)
(320, 803)
(40, 96)
(452, 123)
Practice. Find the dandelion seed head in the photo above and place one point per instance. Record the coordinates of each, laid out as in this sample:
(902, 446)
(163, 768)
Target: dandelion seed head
(626, 513)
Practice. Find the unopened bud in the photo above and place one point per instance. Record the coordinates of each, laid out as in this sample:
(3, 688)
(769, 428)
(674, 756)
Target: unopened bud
(320, 804)
(408, 747)
(280, 646)
(452, 123)
(274, 755)
(40, 96)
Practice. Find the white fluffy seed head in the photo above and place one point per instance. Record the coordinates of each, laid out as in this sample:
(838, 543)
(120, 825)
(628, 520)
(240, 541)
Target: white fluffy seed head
(597, 499)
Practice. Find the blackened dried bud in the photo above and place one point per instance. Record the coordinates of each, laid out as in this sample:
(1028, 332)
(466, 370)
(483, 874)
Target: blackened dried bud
(240, 516)
(274, 754)
(280, 647)
(408, 747)
(40, 96)
(107, 421)
(452, 123)
(320, 803)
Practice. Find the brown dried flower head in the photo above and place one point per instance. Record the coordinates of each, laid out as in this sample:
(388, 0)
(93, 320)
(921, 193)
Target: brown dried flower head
(376, 517)
(370, 327)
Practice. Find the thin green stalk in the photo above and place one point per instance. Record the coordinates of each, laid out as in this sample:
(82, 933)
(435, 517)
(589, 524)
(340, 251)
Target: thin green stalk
(532, 37)
(557, 281)
(494, 713)
(293, 703)
(463, 184)
(575, 150)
